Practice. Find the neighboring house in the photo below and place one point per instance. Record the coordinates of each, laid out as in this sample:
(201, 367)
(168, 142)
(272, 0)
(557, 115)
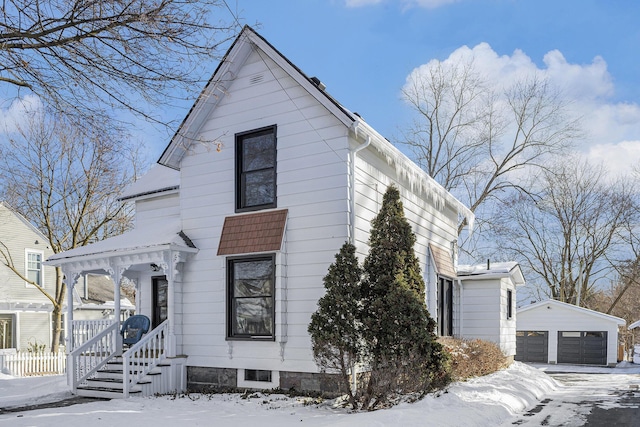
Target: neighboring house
(25, 313)
(237, 225)
(94, 299)
(556, 332)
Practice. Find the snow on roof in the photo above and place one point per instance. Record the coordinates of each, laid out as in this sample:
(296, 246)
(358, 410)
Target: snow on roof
(419, 180)
(165, 232)
(158, 179)
(495, 269)
(634, 325)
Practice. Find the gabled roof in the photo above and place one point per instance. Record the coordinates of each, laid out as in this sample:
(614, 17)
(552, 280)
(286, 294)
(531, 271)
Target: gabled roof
(24, 220)
(563, 305)
(218, 86)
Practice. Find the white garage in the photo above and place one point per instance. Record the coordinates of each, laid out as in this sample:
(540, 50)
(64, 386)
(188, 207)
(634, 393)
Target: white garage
(555, 332)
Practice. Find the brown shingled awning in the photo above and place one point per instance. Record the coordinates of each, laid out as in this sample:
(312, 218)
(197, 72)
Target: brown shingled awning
(443, 261)
(257, 232)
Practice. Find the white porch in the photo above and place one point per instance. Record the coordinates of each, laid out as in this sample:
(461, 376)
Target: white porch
(97, 364)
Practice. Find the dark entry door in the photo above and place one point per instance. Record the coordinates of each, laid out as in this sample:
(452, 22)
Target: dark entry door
(445, 307)
(160, 288)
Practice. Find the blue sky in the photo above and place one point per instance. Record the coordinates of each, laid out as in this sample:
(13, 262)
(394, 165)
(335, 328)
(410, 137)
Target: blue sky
(363, 50)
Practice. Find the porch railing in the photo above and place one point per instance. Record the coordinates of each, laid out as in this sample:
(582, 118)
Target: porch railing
(84, 330)
(144, 356)
(89, 357)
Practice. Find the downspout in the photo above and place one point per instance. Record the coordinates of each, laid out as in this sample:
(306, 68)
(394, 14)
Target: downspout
(352, 182)
(352, 215)
(461, 310)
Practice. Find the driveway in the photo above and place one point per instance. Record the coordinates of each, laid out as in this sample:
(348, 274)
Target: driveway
(588, 399)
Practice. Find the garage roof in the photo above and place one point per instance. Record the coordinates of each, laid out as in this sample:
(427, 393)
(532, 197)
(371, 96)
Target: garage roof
(553, 303)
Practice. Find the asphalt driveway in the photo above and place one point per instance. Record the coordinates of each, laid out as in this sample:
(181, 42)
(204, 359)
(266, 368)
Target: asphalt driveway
(588, 399)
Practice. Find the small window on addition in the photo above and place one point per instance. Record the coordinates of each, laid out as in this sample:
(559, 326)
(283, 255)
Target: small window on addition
(257, 375)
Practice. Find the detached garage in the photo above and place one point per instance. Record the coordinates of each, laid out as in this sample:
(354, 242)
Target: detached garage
(555, 332)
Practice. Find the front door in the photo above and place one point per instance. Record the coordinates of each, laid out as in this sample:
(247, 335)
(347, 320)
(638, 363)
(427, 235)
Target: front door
(160, 288)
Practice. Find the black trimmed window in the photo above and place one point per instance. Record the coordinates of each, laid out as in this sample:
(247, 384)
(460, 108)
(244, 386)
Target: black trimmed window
(509, 303)
(256, 169)
(251, 288)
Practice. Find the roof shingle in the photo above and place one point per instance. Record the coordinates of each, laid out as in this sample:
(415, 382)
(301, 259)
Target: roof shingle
(257, 232)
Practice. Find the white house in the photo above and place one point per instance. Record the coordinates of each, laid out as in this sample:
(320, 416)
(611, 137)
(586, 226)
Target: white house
(238, 222)
(25, 312)
(555, 332)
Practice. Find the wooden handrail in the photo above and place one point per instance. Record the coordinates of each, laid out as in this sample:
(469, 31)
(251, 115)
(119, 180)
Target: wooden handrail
(93, 354)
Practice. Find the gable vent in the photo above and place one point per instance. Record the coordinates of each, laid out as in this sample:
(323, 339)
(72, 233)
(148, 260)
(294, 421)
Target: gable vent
(256, 79)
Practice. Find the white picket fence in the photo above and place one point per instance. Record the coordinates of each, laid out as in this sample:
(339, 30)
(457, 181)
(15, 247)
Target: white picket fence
(33, 364)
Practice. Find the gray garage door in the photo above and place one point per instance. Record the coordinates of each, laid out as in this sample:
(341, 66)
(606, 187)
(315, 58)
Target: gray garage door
(532, 346)
(584, 347)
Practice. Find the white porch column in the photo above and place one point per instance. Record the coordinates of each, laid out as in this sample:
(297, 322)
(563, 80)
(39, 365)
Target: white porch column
(172, 261)
(70, 279)
(116, 272)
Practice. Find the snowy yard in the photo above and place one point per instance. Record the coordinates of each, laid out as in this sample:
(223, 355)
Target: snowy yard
(486, 401)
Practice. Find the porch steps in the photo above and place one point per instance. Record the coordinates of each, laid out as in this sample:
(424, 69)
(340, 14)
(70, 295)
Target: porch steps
(108, 382)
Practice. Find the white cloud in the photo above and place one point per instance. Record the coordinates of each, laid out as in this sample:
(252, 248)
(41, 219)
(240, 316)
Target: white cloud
(620, 158)
(17, 112)
(612, 129)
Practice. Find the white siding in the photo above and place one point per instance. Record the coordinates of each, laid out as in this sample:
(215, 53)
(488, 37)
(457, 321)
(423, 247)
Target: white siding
(312, 150)
(34, 328)
(157, 208)
(484, 312)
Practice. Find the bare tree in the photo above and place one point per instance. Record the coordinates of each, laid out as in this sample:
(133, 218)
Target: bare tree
(476, 140)
(66, 182)
(569, 231)
(621, 298)
(87, 58)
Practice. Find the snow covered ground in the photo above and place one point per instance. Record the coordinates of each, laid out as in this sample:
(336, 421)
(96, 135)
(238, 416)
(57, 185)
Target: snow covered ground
(486, 401)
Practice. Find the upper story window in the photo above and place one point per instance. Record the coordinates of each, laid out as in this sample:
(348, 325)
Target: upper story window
(251, 297)
(256, 169)
(509, 303)
(34, 267)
